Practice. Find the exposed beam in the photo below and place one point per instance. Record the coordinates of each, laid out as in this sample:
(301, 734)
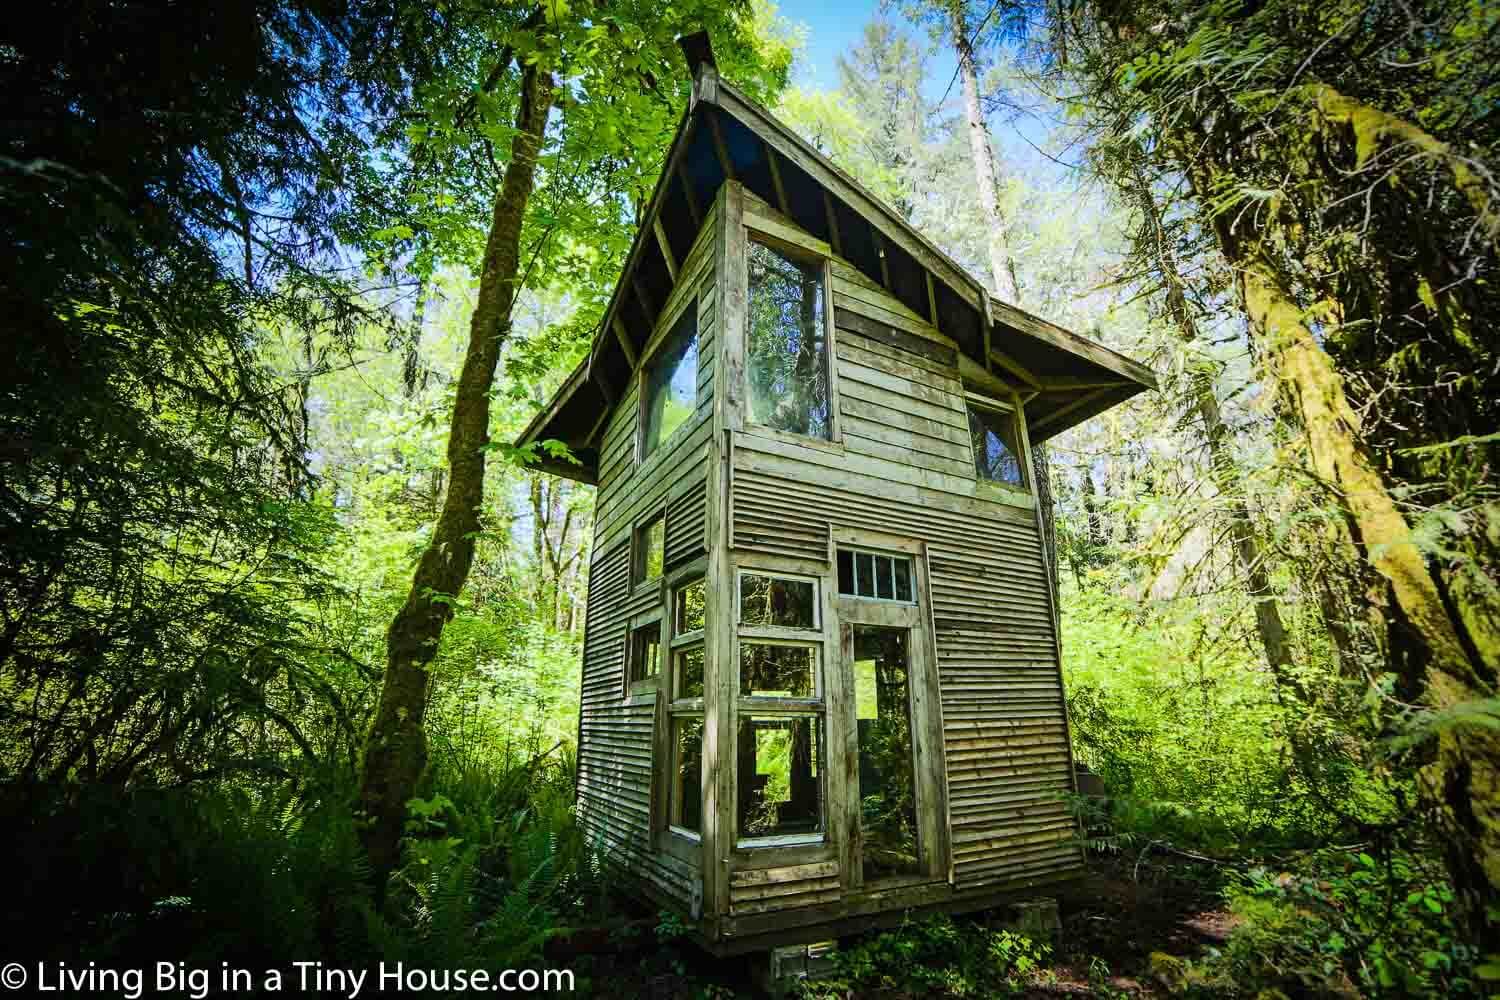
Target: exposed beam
(625, 345)
(666, 248)
(720, 150)
(688, 195)
(643, 297)
(776, 185)
(1067, 340)
(932, 315)
(1068, 383)
(1013, 366)
(885, 270)
(1056, 415)
(833, 224)
(599, 422)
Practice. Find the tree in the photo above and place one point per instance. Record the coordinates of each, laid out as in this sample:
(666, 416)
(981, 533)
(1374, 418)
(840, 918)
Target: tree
(608, 122)
(1320, 157)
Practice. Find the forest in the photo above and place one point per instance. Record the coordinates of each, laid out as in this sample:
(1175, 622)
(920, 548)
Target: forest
(291, 627)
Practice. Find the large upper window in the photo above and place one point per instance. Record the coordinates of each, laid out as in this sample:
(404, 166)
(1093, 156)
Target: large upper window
(786, 349)
(997, 449)
(671, 383)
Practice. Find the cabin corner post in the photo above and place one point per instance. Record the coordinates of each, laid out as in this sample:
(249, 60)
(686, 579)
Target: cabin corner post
(719, 703)
(1024, 435)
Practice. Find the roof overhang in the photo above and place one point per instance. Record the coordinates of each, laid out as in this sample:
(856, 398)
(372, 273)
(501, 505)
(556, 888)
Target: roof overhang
(1062, 378)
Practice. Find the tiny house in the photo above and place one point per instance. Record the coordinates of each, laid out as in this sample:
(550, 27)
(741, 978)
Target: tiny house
(821, 670)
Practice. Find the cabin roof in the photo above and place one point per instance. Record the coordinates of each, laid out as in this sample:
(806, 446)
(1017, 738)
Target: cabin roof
(1064, 378)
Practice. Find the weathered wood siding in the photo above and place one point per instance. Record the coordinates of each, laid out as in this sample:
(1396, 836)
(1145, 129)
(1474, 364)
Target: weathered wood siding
(904, 467)
(615, 765)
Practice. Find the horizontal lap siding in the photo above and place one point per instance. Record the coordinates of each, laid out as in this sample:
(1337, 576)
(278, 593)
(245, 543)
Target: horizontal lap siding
(906, 470)
(761, 890)
(615, 764)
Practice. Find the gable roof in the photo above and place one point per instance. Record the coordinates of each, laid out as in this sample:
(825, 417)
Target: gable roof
(1062, 377)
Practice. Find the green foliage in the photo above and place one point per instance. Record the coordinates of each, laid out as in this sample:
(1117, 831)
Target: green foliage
(1343, 923)
(936, 955)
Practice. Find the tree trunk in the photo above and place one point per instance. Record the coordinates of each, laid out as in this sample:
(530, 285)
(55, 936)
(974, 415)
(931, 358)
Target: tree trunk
(1222, 467)
(986, 173)
(1460, 786)
(396, 750)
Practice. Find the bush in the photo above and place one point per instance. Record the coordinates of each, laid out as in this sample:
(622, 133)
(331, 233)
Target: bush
(936, 955)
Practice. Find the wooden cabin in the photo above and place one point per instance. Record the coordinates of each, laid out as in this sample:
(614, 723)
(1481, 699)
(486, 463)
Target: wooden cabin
(821, 670)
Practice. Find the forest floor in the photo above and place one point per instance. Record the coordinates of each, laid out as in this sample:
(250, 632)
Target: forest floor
(1124, 910)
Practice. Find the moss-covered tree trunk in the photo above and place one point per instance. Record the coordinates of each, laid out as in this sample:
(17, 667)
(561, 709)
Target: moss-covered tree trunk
(1432, 651)
(396, 751)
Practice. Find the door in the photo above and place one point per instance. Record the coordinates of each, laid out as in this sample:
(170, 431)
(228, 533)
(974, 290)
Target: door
(891, 816)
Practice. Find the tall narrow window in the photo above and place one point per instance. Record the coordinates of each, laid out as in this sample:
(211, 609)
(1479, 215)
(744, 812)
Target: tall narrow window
(997, 450)
(688, 613)
(645, 652)
(887, 777)
(671, 383)
(786, 361)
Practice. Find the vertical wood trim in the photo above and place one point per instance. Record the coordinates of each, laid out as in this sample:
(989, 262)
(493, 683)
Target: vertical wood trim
(885, 268)
(942, 857)
(835, 410)
(1024, 433)
(718, 703)
(932, 315)
(989, 327)
(734, 279)
(851, 843)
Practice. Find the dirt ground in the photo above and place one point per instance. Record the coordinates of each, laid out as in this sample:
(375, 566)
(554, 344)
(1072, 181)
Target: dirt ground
(1112, 920)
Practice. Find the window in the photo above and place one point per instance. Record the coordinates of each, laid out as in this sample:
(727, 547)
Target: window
(779, 770)
(887, 774)
(786, 348)
(650, 549)
(685, 708)
(778, 601)
(777, 670)
(780, 776)
(685, 796)
(869, 574)
(690, 608)
(997, 450)
(670, 386)
(645, 652)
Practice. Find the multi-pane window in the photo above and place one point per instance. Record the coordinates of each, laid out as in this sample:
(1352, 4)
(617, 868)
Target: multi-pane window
(670, 387)
(779, 766)
(685, 708)
(650, 550)
(997, 449)
(786, 344)
(870, 574)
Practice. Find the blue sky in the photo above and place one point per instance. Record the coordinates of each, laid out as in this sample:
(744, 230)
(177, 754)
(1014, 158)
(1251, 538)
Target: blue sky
(833, 28)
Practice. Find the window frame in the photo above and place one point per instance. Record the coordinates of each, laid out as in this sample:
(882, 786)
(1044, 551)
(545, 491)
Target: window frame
(974, 401)
(679, 841)
(638, 580)
(651, 683)
(893, 555)
(814, 251)
(666, 323)
(815, 708)
(793, 632)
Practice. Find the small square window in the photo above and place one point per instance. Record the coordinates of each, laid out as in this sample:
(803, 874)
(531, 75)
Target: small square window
(869, 574)
(645, 652)
(780, 785)
(650, 549)
(775, 670)
(690, 609)
(774, 600)
(689, 672)
(997, 449)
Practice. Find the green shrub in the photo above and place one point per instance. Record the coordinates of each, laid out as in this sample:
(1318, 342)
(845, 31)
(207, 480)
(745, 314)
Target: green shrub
(934, 955)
